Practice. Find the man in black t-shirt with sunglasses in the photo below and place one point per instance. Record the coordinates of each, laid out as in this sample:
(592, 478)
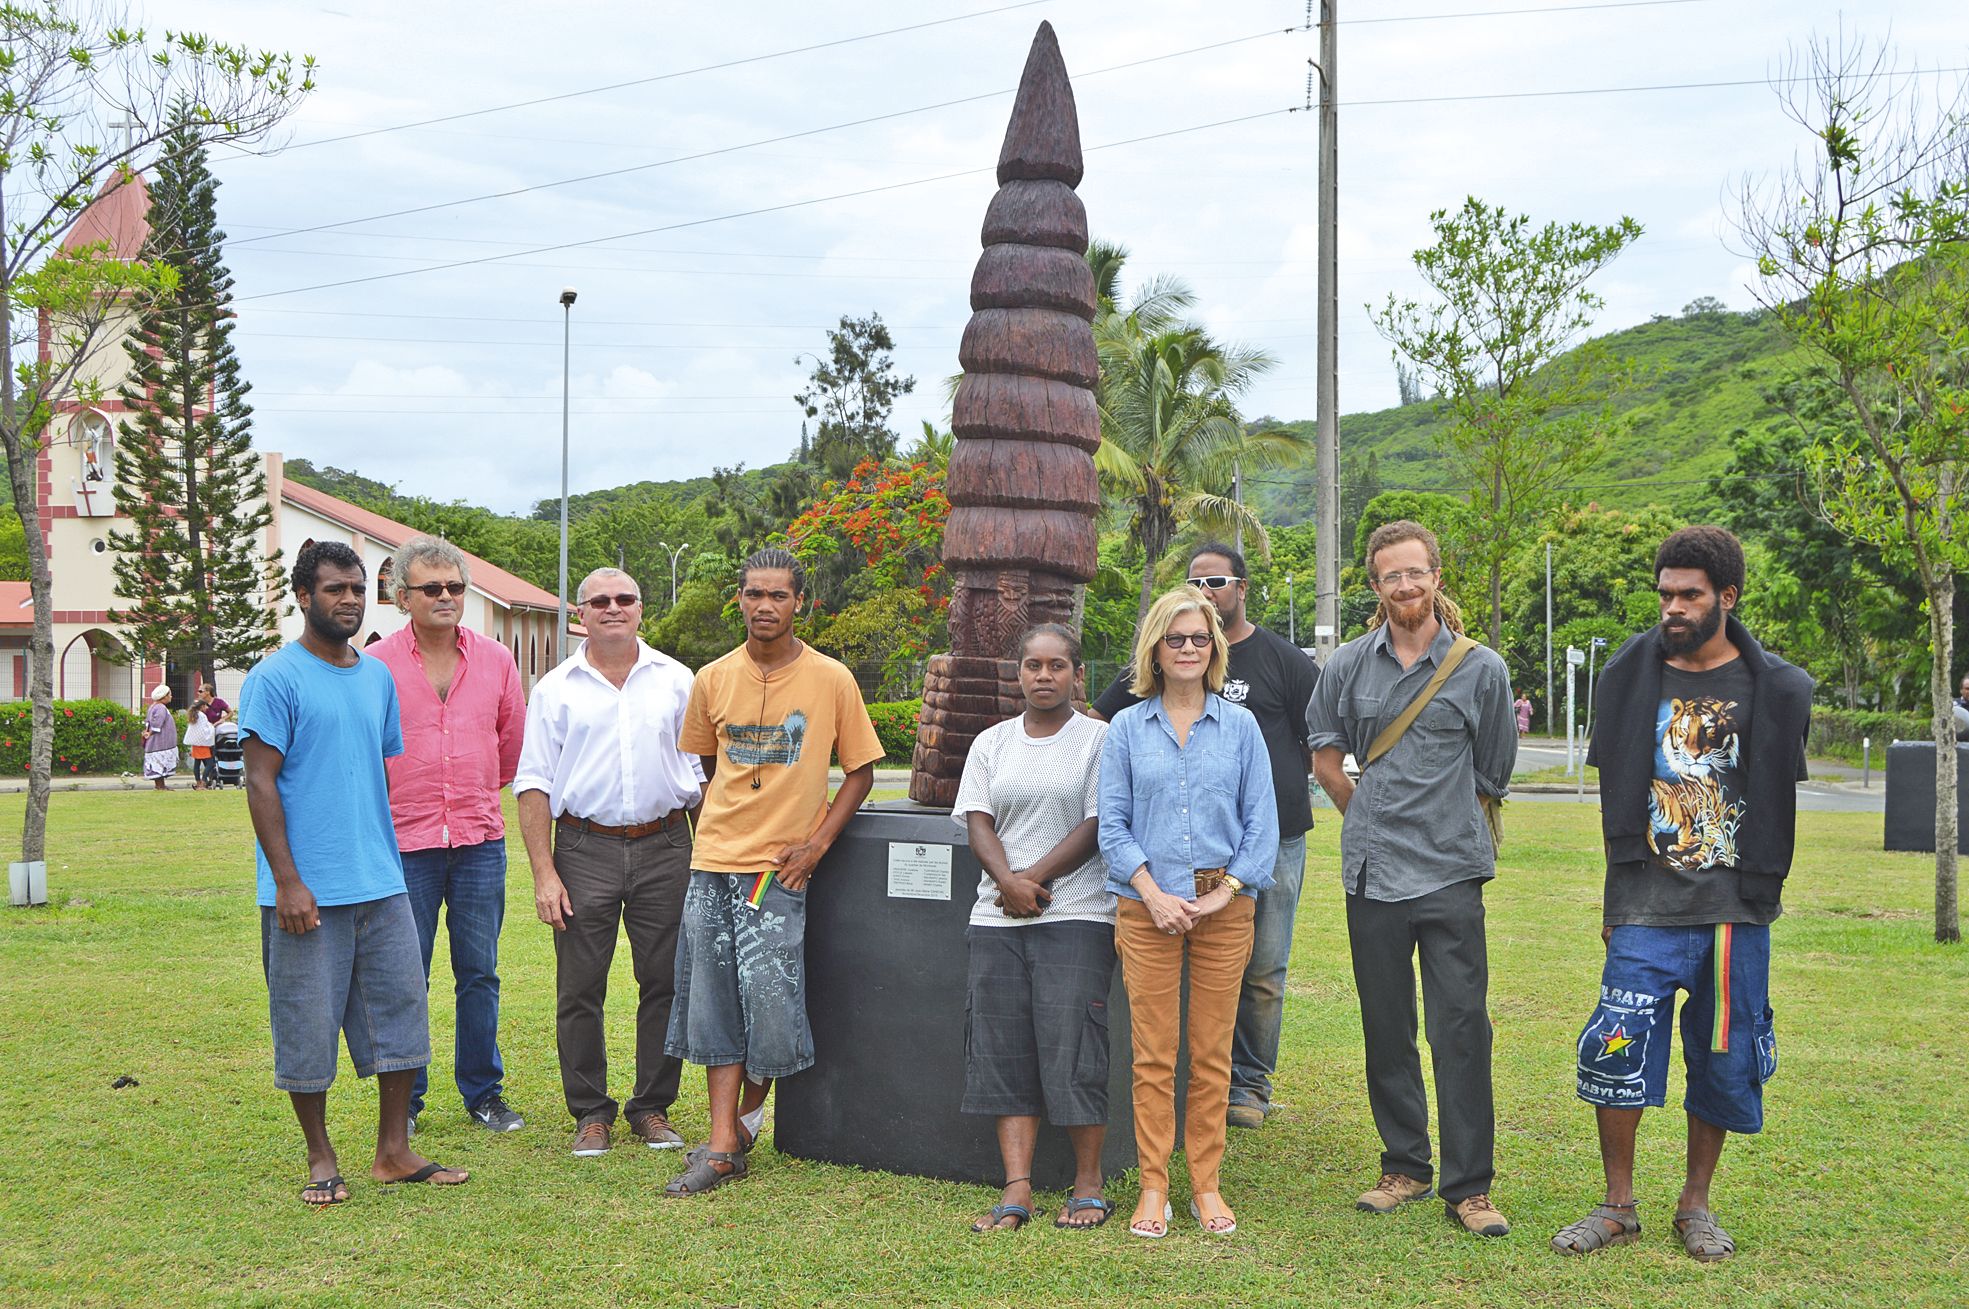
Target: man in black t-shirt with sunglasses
(1274, 679)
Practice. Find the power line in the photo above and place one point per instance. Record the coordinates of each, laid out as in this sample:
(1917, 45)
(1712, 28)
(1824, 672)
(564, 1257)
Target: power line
(1505, 13)
(746, 145)
(663, 77)
(1611, 90)
(871, 36)
(745, 213)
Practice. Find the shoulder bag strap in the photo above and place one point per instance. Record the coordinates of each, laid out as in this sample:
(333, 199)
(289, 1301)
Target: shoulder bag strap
(1392, 733)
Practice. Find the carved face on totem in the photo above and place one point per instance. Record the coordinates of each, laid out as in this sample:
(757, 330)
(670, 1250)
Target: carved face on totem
(993, 607)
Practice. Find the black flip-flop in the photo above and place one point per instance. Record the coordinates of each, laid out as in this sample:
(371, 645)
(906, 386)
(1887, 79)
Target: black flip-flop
(1000, 1212)
(1080, 1204)
(425, 1174)
(325, 1186)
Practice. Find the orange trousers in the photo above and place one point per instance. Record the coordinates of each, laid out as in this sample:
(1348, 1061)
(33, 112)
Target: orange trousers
(1152, 969)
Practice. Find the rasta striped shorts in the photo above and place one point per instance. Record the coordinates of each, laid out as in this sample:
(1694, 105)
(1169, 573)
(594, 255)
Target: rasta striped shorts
(1729, 1041)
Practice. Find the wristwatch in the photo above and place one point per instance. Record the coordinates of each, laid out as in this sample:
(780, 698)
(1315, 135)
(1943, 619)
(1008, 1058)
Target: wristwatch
(1237, 887)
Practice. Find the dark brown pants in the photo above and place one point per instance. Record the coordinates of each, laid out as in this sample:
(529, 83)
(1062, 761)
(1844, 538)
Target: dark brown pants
(639, 884)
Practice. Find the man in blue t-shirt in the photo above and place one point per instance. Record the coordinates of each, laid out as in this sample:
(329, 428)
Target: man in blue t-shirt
(337, 939)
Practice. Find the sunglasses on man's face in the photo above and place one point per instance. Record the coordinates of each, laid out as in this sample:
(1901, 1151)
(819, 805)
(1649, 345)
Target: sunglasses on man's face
(432, 590)
(1216, 583)
(619, 601)
(1176, 640)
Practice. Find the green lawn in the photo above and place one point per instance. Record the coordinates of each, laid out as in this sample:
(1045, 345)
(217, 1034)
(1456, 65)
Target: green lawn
(182, 1190)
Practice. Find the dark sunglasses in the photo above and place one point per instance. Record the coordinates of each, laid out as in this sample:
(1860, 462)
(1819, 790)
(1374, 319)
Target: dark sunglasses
(1217, 583)
(619, 601)
(432, 590)
(1176, 640)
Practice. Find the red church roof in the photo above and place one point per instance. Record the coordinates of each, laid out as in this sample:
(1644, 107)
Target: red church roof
(16, 607)
(511, 591)
(120, 216)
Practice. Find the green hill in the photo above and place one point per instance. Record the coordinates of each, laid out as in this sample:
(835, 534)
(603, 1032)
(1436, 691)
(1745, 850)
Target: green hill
(1703, 376)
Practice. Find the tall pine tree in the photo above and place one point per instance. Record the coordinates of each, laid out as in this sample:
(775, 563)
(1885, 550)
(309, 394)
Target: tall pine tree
(186, 474)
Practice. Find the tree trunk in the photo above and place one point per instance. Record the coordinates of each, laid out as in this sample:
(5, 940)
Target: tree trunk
(189, 450)
(1497, 605)
(1941, 633)
(1148, 587)
(22, 472)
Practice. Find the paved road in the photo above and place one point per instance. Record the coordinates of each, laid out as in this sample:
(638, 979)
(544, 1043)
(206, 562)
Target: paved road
(1833, 788)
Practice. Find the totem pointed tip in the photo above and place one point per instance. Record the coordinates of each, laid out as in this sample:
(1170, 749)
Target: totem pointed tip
(1042, 142)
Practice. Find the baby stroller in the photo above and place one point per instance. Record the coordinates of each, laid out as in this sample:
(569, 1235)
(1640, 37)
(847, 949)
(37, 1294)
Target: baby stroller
(227, 755)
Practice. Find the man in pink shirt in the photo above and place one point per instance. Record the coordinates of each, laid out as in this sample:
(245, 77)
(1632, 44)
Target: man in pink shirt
(463, 717)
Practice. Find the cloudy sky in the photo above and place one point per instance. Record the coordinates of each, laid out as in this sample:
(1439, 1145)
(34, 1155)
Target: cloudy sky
(398, 277)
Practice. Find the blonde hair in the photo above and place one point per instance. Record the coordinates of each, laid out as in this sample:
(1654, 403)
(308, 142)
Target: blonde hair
(1448, 613)
(1156, 623)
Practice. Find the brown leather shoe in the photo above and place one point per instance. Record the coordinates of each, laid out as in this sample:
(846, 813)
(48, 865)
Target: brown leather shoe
(1392, 1192)
(591, 1140)
(1478, 1216)
(656, 1132)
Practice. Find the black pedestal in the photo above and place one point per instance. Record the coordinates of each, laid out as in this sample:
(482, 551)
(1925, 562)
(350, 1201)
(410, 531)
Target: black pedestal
(885, 993)
(1911, 796)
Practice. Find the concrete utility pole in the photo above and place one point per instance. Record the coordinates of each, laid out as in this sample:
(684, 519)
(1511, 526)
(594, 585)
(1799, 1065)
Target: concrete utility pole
(567, 329)
(1548, 638)
(1326, 508)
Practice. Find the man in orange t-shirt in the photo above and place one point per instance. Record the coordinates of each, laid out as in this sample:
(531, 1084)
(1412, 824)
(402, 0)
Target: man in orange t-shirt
(764, 718)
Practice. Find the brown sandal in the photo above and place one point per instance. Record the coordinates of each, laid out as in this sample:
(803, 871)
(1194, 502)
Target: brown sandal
(703, 1175)
(1702, 1238)
(1607, 1224)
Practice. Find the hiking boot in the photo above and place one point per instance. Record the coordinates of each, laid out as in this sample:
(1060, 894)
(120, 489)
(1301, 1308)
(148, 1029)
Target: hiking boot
(495, 1115)
(1246, 1115)
(1477, 1215)
(656, 1132)
(591, 1139)
(1392, 1192)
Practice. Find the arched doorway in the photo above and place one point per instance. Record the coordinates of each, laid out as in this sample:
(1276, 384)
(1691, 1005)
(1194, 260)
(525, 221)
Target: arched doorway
(95, 664)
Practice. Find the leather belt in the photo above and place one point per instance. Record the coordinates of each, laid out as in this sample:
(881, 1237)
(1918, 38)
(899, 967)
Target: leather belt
(1208, 880)
(629, 833)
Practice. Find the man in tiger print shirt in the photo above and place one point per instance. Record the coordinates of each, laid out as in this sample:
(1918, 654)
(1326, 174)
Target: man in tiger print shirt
(1700, 745)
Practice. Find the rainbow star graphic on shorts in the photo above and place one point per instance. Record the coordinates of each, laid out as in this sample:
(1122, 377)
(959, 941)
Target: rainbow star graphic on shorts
(1615, 1041)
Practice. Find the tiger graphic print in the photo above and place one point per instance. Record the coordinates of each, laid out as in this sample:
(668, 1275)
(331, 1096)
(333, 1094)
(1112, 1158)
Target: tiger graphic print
(1694, 804)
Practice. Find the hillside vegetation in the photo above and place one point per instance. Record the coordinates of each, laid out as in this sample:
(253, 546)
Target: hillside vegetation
(1705, 375)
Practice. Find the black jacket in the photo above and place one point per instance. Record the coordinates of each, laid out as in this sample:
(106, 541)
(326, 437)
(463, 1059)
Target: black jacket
(1626, 704)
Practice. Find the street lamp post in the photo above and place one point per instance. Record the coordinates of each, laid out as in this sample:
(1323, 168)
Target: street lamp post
(567, 320)
(675, 553)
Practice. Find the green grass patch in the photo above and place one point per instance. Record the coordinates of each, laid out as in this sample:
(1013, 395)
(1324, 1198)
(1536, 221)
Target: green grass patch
(183, 1189)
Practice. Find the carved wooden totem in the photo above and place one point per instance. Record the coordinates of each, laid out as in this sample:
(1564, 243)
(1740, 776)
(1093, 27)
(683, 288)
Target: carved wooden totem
(1023, 495)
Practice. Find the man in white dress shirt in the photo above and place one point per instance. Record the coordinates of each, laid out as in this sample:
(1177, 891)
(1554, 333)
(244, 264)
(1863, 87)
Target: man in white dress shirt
(607, 805)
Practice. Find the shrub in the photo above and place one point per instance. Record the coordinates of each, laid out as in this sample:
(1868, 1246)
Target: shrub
(1837, 733)
(895, 724)
(91, 736)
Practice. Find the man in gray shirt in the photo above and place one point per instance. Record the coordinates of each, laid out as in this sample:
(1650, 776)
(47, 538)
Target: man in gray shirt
(1415, 851)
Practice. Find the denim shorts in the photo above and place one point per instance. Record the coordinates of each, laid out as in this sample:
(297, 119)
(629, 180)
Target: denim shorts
(1730, 1050)
(742, 977)
(360, 975)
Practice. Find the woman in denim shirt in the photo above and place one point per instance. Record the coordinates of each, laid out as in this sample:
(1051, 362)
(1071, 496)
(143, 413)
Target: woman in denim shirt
(1189, 832)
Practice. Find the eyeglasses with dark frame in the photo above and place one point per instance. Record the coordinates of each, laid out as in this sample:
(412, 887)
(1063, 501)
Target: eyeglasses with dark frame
(1177, 640)
(432, 590)
(621, 601)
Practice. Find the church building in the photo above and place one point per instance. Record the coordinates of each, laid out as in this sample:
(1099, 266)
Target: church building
(78, 512)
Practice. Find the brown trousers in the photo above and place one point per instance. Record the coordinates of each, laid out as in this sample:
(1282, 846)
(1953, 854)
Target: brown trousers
(1152, 970)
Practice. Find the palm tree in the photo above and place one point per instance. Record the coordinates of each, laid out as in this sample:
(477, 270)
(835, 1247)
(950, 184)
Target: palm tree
(1171, 435)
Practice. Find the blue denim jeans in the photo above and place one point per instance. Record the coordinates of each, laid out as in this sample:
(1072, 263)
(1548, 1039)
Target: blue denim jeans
(470, 880)
(1261, 1003)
